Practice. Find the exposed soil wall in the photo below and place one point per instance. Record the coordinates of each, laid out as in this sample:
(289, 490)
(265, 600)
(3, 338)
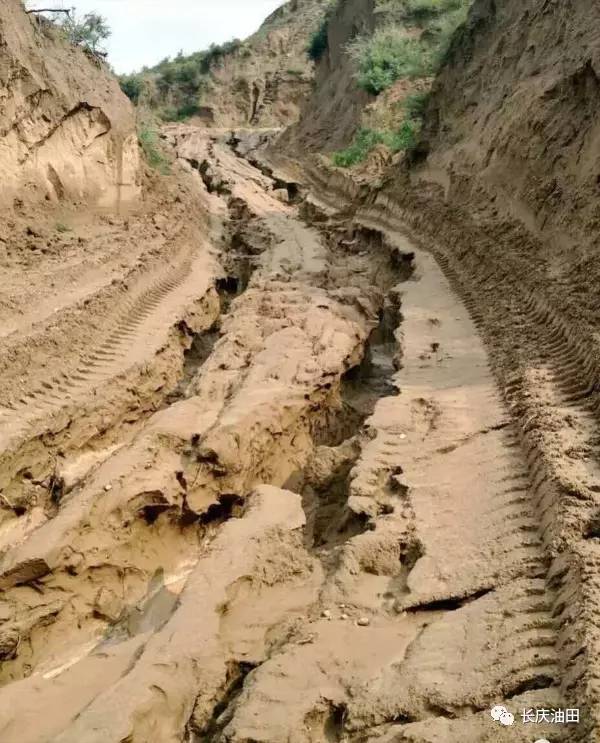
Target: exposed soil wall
(66, 130)
(334, 109)
(265, 82)
(514, 125)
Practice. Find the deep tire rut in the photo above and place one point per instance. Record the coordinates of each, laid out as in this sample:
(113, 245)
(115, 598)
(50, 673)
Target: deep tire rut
(101, 362)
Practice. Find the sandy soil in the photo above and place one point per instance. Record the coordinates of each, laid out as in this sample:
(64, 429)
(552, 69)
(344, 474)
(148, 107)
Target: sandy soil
(271, 490)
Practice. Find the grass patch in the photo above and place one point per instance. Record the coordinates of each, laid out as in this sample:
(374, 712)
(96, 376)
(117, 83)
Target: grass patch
(391, 53)
(153, 152)
(422, 11)
(365, 140)
(415, 104)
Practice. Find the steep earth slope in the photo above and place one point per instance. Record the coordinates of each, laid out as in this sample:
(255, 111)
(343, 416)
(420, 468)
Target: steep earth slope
(520, 133)
(333, 111)
(260, 82)
(65, 129)
(264, 82)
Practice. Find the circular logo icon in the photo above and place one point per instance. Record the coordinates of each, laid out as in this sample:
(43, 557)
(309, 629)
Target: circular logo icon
(507, 718)
(497, 712)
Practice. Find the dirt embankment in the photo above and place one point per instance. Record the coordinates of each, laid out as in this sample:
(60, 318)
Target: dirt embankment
(66, 130)
(513, 121)
(264, 82)
(333, 111)
(508, 148)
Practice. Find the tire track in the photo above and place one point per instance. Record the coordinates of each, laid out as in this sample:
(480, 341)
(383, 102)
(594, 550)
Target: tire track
(100, 364)
(553, 373)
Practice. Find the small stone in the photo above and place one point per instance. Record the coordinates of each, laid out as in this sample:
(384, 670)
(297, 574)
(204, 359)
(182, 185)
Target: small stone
(342, 606)
(108, 605)
(343, 616)
(403, 436)
(363, 622)
(107, 488)
(326, 614)
(9, 643)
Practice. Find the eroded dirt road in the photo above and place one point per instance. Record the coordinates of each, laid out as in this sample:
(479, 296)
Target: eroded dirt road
(276, 498)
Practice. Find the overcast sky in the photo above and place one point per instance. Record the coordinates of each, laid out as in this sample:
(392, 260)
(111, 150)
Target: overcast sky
(146, 31)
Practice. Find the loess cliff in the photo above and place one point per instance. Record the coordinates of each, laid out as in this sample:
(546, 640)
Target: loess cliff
(66, 130)
(264, 81)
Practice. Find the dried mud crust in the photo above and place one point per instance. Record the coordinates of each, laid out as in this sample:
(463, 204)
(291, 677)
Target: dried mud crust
(328, 532)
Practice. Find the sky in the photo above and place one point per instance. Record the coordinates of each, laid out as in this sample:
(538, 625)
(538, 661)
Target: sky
(146, 31)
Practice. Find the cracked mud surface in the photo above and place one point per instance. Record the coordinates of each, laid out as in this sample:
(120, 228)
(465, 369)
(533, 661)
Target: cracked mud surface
(315, 520)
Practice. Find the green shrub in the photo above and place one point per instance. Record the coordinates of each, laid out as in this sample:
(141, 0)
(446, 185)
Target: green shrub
(387, 56)
(421, 11)
(187, 110)
(149, 142)
(406, 137)
(214, 53)
(365, 140)
(132, 86)
(390, 54)
(319, 41)
(175, 86)
(415, 104)
(169, 113)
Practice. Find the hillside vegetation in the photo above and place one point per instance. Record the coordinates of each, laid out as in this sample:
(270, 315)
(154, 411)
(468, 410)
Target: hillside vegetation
(260, 81)
(174, 87)
(406, 50)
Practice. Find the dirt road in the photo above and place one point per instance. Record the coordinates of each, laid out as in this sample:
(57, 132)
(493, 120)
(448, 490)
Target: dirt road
(272, 492)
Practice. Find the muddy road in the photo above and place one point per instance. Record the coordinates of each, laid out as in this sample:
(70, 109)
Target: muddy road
(276, 494)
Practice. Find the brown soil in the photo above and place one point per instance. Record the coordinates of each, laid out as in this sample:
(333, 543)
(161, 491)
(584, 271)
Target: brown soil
(315, 524)
(265, 81)
(285, 459)
(68, 133)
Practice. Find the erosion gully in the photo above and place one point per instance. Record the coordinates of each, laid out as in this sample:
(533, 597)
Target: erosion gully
(324, 533)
